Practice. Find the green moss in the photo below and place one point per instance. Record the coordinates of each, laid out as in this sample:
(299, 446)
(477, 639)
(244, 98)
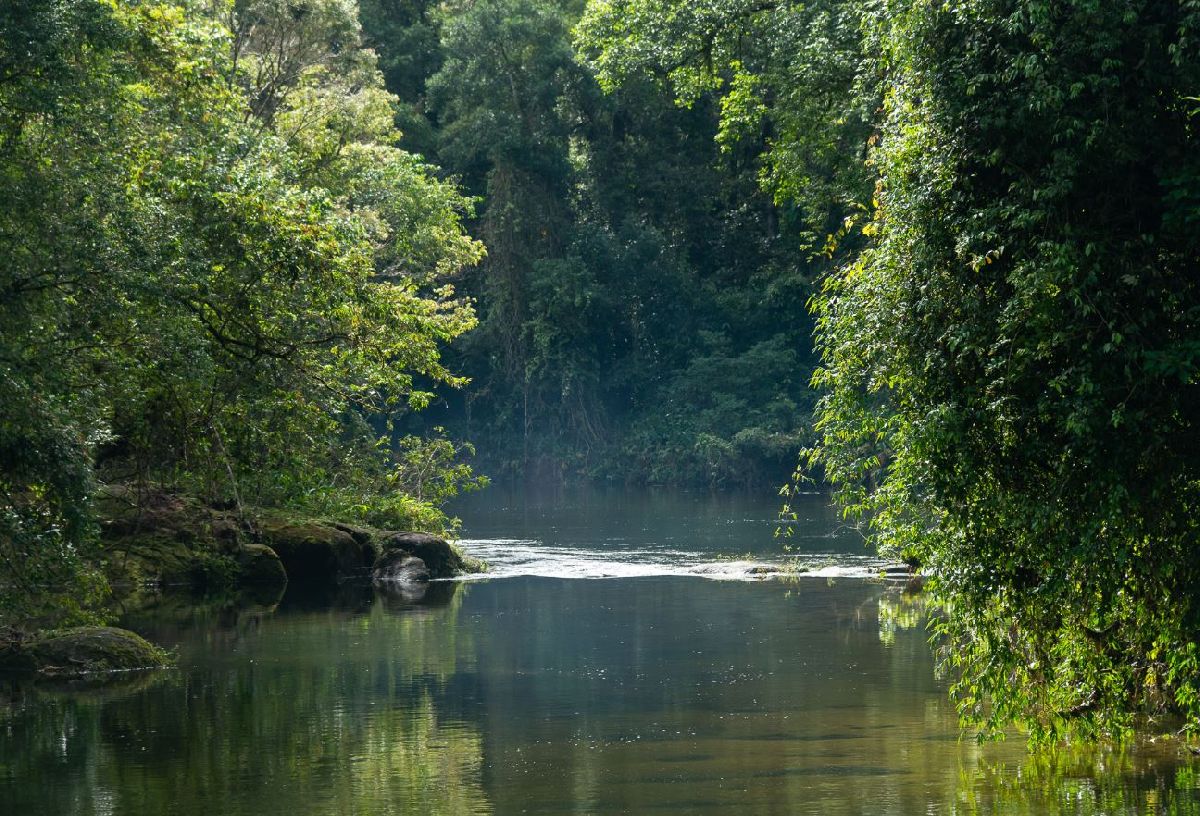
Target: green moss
(174, 540)
(160, 558)
(470, 564)
(260, 565)
(83, 650)
(317, 550)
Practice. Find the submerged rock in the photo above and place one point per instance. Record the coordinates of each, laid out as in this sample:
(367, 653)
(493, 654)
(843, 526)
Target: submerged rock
(80, 651)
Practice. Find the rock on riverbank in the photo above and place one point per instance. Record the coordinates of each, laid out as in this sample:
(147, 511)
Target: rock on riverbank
(418, 557)
(168, 539)
(84, 650)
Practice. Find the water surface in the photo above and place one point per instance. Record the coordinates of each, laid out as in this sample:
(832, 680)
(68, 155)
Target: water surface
(671, 688)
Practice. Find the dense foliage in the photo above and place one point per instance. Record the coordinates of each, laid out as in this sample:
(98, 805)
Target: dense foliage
(642, 303)
(1011, 339)
(219, 270)
(227, 267)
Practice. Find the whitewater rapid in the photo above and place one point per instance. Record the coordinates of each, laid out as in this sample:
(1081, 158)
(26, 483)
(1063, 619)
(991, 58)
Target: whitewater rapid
(511, 558)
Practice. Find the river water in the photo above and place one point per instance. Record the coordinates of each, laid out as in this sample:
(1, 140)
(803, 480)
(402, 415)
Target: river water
(624, 655)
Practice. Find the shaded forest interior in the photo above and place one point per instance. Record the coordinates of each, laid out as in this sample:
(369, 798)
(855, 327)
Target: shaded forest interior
(642, 305)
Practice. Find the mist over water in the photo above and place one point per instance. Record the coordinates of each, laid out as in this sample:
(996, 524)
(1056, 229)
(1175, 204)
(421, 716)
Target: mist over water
(618, 534)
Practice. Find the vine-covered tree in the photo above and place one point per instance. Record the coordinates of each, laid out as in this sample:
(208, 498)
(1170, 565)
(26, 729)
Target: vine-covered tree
(1011, 344)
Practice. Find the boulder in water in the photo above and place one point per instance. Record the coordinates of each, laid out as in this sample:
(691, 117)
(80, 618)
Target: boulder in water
(440, 557)
(260, 565)
(400, 567)
(81, 651)
(317, 551)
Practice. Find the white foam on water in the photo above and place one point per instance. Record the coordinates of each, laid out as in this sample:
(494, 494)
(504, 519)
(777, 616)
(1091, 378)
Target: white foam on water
(511, 558)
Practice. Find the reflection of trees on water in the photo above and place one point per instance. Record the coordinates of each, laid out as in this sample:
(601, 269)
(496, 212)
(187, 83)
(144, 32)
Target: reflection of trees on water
(900, 612)
(1145, 777)
(672, 695)
(334, 713)
(1085, 781)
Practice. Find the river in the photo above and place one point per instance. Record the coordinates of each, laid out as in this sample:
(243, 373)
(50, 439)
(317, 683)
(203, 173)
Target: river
(623, 656)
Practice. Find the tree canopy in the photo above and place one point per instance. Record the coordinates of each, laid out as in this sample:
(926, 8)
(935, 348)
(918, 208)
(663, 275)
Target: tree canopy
(219, 266)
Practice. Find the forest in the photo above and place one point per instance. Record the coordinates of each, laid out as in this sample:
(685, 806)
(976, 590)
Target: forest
(642, 302)
(345, 260)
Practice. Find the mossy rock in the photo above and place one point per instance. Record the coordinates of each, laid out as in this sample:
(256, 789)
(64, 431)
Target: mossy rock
(260, 565)
(442, 559)
(164, 561)
(362, 535)
(155, 536)
(318, 551)
(81, 651)
(400, 567)
(152, 558)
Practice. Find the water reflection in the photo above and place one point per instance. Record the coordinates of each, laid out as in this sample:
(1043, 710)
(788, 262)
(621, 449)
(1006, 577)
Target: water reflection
(900, 612)
(541, 695)
(1089, 780)
(311, 710)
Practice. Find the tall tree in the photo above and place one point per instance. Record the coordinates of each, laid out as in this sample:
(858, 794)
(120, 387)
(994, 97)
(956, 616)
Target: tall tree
(1021, 342)
(218, 266)
(631, 262)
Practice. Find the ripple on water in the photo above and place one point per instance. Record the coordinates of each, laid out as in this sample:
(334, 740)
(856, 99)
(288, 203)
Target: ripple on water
(511, 558)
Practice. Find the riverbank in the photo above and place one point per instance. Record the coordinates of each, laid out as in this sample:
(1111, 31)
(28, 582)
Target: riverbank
(158, 539)
(166, 538)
